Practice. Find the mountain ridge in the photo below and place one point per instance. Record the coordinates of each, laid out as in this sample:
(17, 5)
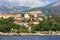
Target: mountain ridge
(54, 4)
(8, 9)
(51, 8)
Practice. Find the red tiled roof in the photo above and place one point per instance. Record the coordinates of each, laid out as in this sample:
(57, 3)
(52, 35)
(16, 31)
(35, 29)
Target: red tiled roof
(29, 23)
(18, 20)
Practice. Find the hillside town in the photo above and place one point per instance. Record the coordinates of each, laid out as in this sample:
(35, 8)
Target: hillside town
(29, 22)
(25, 19)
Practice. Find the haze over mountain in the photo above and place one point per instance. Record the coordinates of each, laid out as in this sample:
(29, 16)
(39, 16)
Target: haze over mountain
(54, 7)
(51, 8)
(55, 4)
(13, 9)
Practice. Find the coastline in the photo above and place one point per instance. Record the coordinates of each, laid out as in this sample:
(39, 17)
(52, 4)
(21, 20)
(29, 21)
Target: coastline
(28, 34)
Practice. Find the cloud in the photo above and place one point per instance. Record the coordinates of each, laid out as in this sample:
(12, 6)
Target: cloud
(30, 3)
(33, 3)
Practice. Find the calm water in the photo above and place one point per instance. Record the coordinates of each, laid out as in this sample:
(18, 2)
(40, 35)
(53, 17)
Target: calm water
(29, 37)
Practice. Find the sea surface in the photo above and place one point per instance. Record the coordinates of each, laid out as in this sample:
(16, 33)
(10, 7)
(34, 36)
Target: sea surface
(29, 37)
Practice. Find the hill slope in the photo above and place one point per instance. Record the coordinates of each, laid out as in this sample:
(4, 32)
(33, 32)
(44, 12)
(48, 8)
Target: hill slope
(51, 8)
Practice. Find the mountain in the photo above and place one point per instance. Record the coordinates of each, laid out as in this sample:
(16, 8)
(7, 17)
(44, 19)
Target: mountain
(55, 4)
(51, 8)
(7, 9)
(54, 7)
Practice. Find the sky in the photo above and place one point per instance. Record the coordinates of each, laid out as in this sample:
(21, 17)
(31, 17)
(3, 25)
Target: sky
(28, 3)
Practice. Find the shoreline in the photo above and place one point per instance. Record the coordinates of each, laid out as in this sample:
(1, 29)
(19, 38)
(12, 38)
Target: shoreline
(26, 34)
(41, 33)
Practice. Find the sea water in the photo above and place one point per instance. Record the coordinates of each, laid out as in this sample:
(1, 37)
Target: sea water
(29, 37)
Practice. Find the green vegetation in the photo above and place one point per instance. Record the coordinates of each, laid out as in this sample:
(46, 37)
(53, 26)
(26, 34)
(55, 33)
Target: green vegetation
(50, 24)
(7, 25)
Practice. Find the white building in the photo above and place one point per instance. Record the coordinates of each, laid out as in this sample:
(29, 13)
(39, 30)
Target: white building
(17, 16)
(35, 15)
(35, 22)
(1, 15)
(26, 16)
(7, 15)
(35, 12)
(40, 19)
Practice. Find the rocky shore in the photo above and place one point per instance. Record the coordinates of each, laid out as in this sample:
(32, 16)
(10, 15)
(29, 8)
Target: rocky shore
(41, 33)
